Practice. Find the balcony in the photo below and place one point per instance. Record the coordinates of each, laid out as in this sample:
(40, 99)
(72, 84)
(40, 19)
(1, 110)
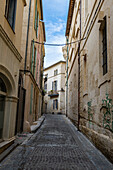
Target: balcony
(53, 93)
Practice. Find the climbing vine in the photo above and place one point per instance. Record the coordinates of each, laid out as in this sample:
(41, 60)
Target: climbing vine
(90, 113)
(108, 113)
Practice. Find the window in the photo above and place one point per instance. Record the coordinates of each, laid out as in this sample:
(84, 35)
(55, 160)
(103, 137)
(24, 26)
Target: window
(10, 12)
(85, 72)
(55, 72)
(37, 70)
(46, 77)
(55, 104)
(31, 99)
(33, 59)
(104, 45)
(54, 86)
(36, 24)
(45, 87)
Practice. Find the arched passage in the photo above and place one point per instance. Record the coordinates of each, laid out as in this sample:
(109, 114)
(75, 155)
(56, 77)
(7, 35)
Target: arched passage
(8, 104)
(3, 92)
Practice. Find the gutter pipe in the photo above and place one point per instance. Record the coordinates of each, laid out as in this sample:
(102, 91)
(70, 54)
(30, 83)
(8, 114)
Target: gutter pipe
(27, 36)
(79, 70)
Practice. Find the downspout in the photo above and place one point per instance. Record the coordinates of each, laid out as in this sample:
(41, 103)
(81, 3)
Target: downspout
(27, 36)
(79, 70)
(67, 79)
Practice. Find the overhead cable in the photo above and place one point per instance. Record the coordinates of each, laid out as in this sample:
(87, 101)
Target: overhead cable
(58, 44)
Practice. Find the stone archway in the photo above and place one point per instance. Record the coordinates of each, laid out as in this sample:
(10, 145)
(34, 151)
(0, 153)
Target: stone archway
(8, 104)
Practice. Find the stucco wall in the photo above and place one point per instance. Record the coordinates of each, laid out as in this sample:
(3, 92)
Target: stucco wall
(60, 78)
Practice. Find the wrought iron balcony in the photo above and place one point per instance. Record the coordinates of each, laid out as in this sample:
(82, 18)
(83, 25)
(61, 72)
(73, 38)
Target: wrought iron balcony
(53, 93)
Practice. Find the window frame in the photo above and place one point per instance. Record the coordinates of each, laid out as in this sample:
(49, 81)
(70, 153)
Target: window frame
(55, 104)
(104, 47)
(54, 85)
(7, 12)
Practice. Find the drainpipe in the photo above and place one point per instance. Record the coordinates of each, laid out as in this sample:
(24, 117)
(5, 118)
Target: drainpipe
(27, 36)
(79, 70)
(67, 79)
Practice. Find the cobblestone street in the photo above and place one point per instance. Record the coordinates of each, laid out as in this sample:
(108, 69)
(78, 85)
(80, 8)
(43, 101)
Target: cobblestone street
(57, 145)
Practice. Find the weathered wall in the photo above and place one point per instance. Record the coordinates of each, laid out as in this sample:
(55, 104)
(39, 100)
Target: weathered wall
(95, 85)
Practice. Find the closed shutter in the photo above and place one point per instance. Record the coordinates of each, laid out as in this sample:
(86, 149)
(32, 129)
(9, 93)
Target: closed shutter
(53, 104)
(55, 85)
(52, 85)
(56, 104)
(32, 58)
(35, 25)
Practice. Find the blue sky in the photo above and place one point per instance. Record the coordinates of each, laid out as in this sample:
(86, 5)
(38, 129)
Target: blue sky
(55, 18)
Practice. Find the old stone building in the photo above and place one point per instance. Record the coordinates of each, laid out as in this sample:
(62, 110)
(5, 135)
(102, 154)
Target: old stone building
(54, 86)
(31, 71)
(11, 18)
(90, 80)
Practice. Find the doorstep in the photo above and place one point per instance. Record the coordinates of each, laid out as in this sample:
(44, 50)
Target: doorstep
(5, 144)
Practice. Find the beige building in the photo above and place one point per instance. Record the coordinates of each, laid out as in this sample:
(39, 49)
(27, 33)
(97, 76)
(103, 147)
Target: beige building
(93, 81)
(54, 86)
(31, 72)
(11, 18)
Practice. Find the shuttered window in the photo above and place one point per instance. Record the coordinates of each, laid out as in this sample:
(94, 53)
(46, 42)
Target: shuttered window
(55, 104)
(35, 15)
(33, 59)
(31, 99)
(54, 86)
(104, 42)
(36, 24)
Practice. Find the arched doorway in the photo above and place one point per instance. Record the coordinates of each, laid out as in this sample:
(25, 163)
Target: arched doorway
(3, 92)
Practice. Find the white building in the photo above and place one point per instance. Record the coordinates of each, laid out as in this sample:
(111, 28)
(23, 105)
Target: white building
(54, 86)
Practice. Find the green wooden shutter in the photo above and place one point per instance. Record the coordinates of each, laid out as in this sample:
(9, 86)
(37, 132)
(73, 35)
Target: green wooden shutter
(35, 62)
(31, 99)
(32, 57)
(35, 25)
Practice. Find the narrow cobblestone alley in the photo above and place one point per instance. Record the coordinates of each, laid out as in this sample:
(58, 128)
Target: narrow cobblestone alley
(57, 145)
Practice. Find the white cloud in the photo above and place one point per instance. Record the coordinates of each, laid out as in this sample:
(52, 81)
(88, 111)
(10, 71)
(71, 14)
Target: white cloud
(54, 54)
(55, 15)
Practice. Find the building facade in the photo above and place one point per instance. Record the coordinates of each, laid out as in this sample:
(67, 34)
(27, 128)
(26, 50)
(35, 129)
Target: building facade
(30, 88)
(92, 68)
(11, 19)
(54, 86)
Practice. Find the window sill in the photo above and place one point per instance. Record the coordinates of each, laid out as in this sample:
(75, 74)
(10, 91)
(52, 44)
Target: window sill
(9, 24)
(104, 79)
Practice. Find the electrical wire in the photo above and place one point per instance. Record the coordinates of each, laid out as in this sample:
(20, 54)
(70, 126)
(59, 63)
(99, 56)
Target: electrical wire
(59, 44)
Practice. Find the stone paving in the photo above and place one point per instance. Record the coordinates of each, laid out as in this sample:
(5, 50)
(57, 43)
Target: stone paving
(57, 145)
